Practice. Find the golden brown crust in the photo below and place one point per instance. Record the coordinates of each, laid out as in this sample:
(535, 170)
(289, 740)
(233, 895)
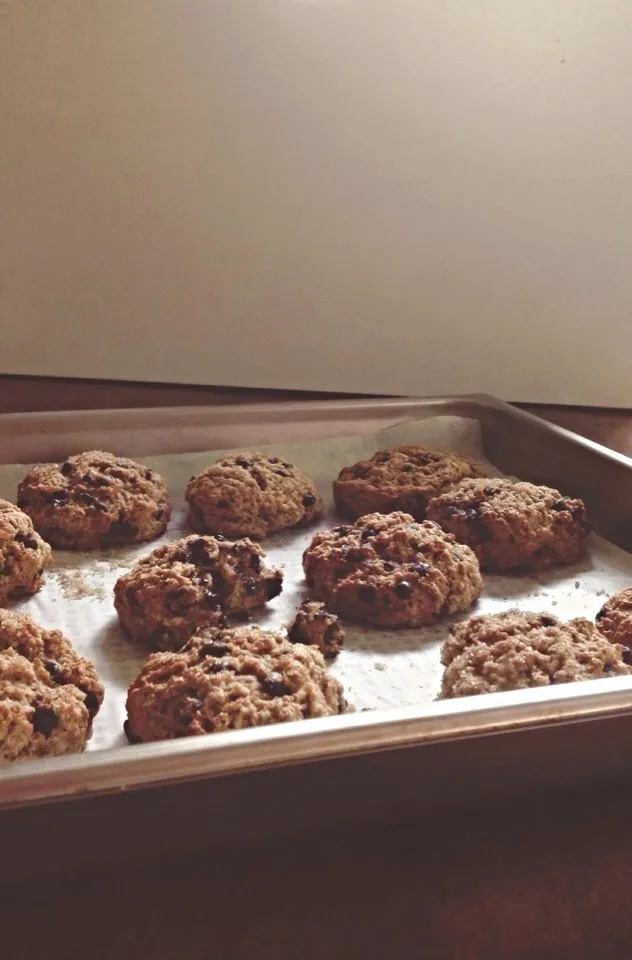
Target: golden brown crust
(95, 500)
(49, 694)
(389, 570)
(23, 554)
(314, 625)
(401, 478)
(516, 649)
(191, 583)
(228, 680)
(513, 526)
(614, 619)
(251, 495)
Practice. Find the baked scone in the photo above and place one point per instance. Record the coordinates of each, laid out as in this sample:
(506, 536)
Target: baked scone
(391, 571)
(95, 500)
(189, 584)
(49, 694)
(512, 526)
(402, 478)
(517, 649)
(251, 495)
(614, 620)
(316, 626)
(226, 680)
(23, 554)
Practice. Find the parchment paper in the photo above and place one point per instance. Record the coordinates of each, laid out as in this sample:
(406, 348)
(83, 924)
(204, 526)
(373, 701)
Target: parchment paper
(379, 668)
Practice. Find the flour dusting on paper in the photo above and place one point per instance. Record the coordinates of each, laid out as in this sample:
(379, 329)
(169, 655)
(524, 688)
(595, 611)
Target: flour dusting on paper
(379, 668)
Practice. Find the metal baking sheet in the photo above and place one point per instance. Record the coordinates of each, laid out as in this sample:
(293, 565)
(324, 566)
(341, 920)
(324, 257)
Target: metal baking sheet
(514, 443)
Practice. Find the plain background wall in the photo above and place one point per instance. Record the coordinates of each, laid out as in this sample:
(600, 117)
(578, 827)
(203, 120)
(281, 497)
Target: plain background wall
(417, 196)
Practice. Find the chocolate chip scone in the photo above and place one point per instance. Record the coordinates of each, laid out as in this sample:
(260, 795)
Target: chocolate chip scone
(23, 554)
(95, 500)
(391, 571)
(403, 478)
(49, 695)
(189, 584)
(226, 680)
(614, 619)
(512, 526)
(516, 649)
(251, 495)
(314, 625)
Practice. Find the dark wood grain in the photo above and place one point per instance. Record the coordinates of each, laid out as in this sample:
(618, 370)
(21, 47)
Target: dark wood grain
(551, 879)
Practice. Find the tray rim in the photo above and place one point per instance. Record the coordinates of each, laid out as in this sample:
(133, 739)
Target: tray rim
(157, 764)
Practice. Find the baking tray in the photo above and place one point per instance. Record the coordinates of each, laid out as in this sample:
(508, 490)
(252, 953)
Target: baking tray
(256, 786)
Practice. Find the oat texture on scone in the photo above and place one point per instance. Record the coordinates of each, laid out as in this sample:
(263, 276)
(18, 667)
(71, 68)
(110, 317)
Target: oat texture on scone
(49, 694)
(401, 478)
(23, 554)
(192, 583)
(614, 619)
(314, 624)
(391, 571)
(94, 500)
(517, 649)
(513, 526)
(251, 495)
(228, 680)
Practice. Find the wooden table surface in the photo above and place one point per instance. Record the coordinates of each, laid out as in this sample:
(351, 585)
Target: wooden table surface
(546, 879)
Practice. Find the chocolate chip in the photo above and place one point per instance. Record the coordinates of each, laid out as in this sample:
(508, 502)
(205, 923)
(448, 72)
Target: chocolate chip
(274, 460)
(450, 511)
(388, 566)
(44, 720)
(160, 514)
(309, 500)
(626, 656)
(367, 532)
(128, 733)
(407, 468)
(367, 594)
(342, 529)
(250, 586)
(92, 479)
(214, 648)
(559, 504)
(212, 601)
(215, 666)
(55, 496)
(255, 562)
(197, 551)
(274, 586)
(28, 541)
(149, 474)
(274, 685)
(402, 589)
(472, 513)
(90, 501)
(185, 719)
(91, 701)
(607, 667)
(66, 468)
(54, 670)
(548, 621)
(223, 504)
(360, 470)
(219, 537)
(120, 531)
(421, 568)
(242, 462)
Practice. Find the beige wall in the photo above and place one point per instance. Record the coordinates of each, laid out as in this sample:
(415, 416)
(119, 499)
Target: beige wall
(395, 195)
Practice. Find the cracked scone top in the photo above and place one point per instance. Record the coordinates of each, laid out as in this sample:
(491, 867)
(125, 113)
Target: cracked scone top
(95, 500)
(401, 478)
(389, 570)
(49, 694)
(251, 495)
(513, 525)
(227, 680)
(191, 583)
(23, 554)
(516, 649)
